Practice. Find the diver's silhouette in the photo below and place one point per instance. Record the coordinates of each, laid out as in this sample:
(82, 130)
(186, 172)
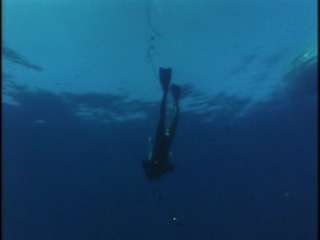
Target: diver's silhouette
(157, 162)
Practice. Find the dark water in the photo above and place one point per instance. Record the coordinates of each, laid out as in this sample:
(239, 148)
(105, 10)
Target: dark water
(251, 177)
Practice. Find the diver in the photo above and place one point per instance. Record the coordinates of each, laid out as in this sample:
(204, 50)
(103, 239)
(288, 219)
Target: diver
(157, 162)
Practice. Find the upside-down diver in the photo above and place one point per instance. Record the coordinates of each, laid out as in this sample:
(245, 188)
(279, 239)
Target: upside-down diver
(156, 164)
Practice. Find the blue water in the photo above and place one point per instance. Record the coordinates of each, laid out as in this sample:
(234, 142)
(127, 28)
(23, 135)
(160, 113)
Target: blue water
(245, 164)
(254, 178)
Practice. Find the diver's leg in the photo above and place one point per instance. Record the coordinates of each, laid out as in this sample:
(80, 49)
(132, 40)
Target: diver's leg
(175, 90)
(165, 77)
(162, 115)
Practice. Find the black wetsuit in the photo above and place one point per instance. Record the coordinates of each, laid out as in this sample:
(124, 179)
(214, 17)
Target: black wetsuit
(157, 163)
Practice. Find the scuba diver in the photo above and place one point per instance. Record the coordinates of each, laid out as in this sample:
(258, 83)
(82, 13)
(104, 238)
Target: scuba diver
(157, 162)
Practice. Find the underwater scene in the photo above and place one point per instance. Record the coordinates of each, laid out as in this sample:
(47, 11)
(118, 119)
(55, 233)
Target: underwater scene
(159, 119)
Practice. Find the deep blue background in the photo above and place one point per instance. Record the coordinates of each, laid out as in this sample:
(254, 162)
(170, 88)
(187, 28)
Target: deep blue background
(250, 177)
